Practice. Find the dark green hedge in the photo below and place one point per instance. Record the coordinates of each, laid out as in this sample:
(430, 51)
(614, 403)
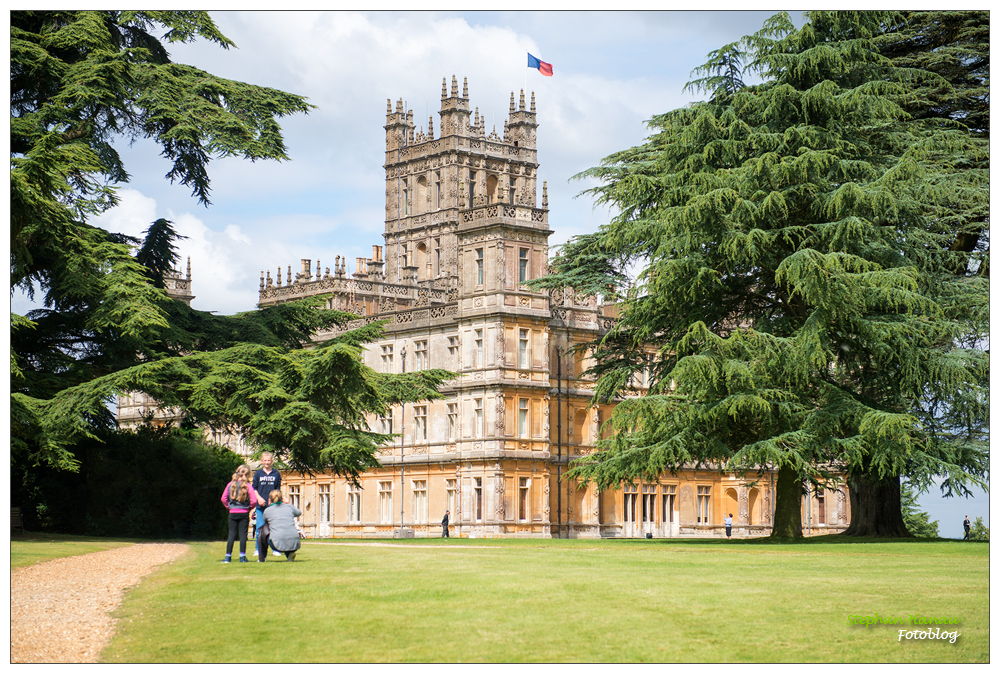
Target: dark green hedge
(150, 483)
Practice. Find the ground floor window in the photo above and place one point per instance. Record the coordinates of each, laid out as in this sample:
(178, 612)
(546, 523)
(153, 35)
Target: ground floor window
(522, 499)
(450, 489)
(324, 503)
(669, 494)
(420, 501)
(629, 496)
(385, 502)
(479, 499)
(704, 505)
(353, 504)
(648, 502)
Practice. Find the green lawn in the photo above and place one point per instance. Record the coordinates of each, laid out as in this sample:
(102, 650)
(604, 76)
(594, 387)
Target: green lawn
(30, 548)
(560, 601)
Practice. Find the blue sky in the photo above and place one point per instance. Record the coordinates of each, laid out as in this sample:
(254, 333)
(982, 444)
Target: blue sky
(613, 71)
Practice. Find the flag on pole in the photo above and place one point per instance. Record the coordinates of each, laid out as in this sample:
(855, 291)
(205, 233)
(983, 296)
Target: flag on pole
(543, 67)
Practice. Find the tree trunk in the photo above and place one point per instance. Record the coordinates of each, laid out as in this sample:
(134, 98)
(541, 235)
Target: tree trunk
(787, 504)
(875, 507)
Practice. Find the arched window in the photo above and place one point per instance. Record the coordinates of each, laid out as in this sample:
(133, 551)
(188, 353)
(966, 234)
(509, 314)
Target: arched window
(491, 188)
(421, 261)
(420, 202)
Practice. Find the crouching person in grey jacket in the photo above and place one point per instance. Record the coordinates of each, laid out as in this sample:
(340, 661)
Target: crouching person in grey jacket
(280, 518)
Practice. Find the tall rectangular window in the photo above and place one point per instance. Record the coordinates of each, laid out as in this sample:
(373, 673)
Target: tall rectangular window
(453, 353)
(472, 189)
(437, 248)
(821, 507)
(452, 420)
(478, 355)
(386, 424)
(437, 189)
(704, 505)
(478, 420)
(324, 503)
(295, 496)
(669, 494)
(522, 499)
(522, 265)
(385, 502)
(451, 492)
(648, 502)
(522, 418)
(630, 494)
(406, 202)
(420, 351)
(387, 359)
(523, 353)
(479, 499)
(420, 423)
(479, 266)
(353, 504)
(420, 501)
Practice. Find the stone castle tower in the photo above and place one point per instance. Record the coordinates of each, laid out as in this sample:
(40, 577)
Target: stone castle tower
(463, 232)
(135, 407)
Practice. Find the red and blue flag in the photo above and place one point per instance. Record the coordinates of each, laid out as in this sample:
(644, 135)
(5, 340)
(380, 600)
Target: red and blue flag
(543, 67)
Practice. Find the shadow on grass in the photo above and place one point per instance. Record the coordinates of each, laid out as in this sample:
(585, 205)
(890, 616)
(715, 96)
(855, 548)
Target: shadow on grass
(51, 537)
(835, 539)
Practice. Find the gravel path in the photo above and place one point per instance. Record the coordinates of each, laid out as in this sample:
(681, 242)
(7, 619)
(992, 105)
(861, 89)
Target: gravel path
(60, 609)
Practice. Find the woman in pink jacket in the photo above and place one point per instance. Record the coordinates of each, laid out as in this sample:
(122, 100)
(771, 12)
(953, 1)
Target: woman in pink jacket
(239, 497)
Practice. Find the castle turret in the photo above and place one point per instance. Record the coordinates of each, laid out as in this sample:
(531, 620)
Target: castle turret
(454, 110)
(521, 124)
(395, 126)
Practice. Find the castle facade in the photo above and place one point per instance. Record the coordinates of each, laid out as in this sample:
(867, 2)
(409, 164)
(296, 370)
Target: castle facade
(463, 232)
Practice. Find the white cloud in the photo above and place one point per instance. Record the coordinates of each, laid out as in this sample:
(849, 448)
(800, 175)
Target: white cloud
(133, 215)
(234, 233)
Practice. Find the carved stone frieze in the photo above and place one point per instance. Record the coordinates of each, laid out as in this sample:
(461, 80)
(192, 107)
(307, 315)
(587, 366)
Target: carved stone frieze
(499, 356)
(501, 405)
(500, 507)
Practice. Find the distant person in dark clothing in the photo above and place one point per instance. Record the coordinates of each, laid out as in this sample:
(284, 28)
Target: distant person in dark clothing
(444, 525)
(729, 526)
(968, 528)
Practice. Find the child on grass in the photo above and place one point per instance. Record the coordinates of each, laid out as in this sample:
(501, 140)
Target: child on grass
(239, 497)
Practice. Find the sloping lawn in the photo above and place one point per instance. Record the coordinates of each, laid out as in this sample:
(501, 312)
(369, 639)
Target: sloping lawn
(28, 548)
(561, 601)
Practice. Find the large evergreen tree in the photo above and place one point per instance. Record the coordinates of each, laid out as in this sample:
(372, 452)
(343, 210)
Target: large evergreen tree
(918, 523)
(797, 277)
(80, 83)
